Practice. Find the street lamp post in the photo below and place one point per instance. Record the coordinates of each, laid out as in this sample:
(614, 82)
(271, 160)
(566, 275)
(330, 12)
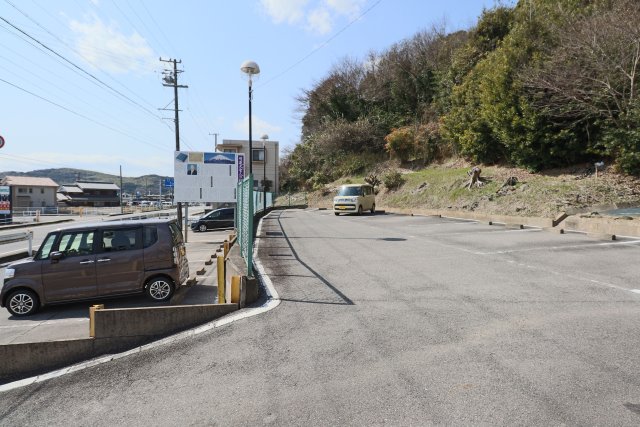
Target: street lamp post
(264, 139)
(250, 68)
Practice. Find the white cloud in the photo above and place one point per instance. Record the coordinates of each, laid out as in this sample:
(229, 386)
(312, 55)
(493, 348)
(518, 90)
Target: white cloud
(317, 16)
(350, 8)
(259, 127)
(319, 21)
(106, 48)
(290, 11)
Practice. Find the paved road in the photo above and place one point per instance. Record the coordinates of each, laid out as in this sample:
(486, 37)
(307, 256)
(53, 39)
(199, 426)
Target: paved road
(390, 320)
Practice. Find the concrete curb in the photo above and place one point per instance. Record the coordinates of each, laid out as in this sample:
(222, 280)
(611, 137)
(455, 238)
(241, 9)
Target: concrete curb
(589, 225)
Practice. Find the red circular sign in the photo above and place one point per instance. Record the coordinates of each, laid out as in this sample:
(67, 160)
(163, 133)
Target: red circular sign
(1, 141)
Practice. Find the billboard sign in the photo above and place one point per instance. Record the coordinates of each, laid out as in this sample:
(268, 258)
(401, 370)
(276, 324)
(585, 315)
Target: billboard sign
(5, 200)
(205, 177)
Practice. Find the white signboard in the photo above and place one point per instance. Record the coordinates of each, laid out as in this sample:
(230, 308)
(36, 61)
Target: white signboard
(205, 177)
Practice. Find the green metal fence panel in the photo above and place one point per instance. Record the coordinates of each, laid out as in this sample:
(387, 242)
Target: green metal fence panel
(244, 221)
(260, 202)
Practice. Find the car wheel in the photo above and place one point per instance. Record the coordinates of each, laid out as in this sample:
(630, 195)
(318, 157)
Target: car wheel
(336, 213)
(202, 227)
(22, 302)
(360, 210)
(373, 209)
(160, 289)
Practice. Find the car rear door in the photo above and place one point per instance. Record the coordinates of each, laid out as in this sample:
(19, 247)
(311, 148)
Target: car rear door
(120, 261)
(213, 219)
(228, 218)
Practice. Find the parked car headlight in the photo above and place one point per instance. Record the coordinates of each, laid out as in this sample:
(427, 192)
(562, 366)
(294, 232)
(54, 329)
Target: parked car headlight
(9, 273)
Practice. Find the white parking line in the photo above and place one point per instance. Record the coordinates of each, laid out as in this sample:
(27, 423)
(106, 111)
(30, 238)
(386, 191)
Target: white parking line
(542, 248)
(575, 277)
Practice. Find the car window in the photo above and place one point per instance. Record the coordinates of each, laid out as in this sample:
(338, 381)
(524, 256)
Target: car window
(149, 236)
(47, 245)
(350, 191)
(120, 240)
(76, 243)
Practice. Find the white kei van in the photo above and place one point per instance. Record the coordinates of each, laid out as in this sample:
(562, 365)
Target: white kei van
(354, 198)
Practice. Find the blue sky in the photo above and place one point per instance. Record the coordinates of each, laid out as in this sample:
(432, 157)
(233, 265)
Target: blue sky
(80, 80)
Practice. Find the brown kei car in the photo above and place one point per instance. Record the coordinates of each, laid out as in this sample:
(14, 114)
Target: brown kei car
(98, 260)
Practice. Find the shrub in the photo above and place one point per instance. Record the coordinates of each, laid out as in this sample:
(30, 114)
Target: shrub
(400, 143)
(372, 180)
(393, 180)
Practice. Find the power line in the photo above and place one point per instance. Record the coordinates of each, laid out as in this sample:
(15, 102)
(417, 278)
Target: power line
(157, 26)
(94, 49)
(143, 23)
(304, 58)
(79, 114)
(80, 68)
(28, 160)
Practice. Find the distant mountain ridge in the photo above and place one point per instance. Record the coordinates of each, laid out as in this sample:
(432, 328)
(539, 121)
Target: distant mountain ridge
(144, 184)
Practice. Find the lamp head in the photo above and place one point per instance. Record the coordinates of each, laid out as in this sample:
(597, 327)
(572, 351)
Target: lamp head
(264, 137)
(250, 68)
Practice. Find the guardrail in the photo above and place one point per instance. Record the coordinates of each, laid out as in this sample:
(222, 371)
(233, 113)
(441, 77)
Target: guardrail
(18, 237)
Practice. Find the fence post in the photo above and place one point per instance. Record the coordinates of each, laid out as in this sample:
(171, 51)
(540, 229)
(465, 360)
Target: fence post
(30, 251)
(221, 278)
(92, 318)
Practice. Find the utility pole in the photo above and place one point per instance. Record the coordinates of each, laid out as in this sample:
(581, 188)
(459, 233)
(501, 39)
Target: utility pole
(215, 146)
(170, 79)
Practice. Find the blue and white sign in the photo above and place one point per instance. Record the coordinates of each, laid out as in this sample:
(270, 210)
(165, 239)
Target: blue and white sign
(168, 182)
(205, 177)
(240, 167)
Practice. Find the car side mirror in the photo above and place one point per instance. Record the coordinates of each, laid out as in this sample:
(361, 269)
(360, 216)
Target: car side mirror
(56, 256)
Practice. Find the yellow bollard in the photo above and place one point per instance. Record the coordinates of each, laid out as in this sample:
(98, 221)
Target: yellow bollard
(226, 248)
(92, 319)
(235, 289)
(221, 280)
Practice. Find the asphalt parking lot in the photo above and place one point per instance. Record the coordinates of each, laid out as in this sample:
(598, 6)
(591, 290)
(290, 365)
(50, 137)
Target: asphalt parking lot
(71, 321)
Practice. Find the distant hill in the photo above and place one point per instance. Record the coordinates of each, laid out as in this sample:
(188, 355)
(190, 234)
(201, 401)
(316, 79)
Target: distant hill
(146, 184)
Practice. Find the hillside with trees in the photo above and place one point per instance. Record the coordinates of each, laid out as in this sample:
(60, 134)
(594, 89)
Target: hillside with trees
(542, 85)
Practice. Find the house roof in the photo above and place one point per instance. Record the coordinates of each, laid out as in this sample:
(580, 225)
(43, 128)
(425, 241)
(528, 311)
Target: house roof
(97, 186)
(29, 181)
(61, 197)
(70, 189)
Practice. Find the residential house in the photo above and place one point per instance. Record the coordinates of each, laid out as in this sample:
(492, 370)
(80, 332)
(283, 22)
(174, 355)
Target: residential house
(87, 193)
(31, 192)
(266, 161)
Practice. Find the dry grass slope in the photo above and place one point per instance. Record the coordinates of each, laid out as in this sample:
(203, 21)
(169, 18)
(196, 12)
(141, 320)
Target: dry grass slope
(546, 194)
